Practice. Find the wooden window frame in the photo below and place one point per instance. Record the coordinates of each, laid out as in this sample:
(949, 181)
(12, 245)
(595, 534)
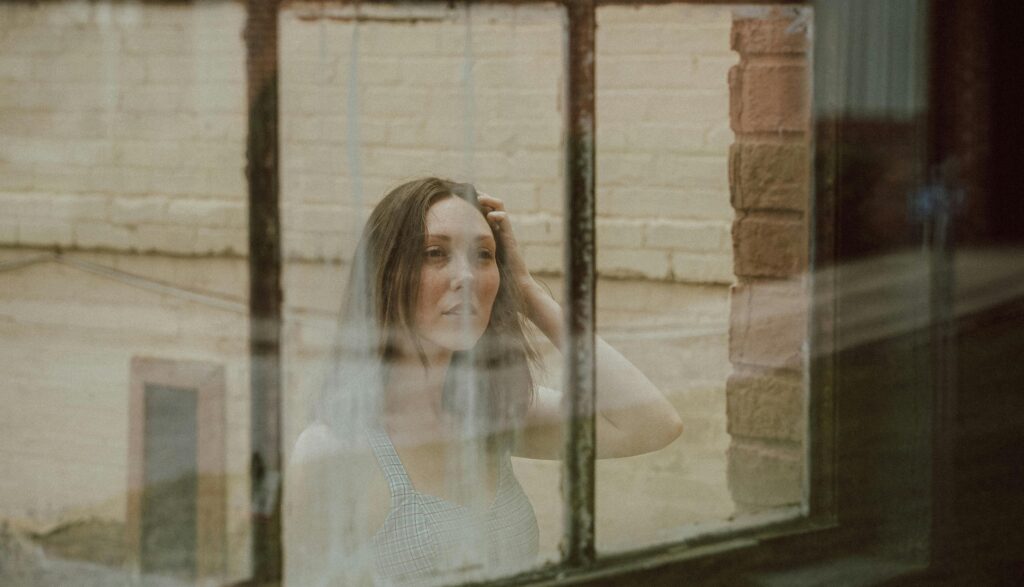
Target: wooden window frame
(846, 436)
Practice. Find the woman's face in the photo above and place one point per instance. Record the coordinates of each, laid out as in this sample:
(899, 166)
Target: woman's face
(459, 279)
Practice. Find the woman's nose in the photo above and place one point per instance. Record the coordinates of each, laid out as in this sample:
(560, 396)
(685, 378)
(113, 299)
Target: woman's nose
(463, 272)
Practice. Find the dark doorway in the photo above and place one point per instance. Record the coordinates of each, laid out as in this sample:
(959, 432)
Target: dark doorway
(171, 482)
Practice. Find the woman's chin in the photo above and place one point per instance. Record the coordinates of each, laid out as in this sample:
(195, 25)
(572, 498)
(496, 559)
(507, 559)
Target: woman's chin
(459, 342)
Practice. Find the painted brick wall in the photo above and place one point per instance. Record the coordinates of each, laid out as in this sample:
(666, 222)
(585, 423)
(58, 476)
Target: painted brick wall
(770, 180)
(69, 338)
(124, 126)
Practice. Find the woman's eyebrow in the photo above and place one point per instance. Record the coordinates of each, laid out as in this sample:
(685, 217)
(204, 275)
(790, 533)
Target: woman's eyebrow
(445, 238)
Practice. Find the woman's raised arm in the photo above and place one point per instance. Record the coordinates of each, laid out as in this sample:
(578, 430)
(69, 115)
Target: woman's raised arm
(633, 417)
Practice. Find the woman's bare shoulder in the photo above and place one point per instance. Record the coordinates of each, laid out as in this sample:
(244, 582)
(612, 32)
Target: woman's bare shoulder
(318, 442)
(327, 465)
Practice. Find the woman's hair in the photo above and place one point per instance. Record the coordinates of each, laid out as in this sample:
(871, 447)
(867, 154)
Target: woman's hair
(380, 304)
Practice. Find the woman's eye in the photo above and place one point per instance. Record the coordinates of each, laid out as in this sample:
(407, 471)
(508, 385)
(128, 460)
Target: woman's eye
(485, 255)
(435, 253)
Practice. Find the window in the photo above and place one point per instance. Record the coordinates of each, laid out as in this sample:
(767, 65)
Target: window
(794, 218)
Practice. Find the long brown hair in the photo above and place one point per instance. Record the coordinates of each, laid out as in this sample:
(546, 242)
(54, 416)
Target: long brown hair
(380, 303)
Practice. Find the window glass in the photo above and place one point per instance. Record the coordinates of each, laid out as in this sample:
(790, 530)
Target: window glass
(703, 176)
(398, 417)
(124, 439)
(403, 438)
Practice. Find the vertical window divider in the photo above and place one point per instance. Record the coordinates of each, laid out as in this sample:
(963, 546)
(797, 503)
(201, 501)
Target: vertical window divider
(580, 258)
(265, 291)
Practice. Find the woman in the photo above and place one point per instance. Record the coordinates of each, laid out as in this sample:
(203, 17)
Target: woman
(406, 475)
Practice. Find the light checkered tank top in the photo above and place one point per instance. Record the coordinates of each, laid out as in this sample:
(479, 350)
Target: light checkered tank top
(425, 537)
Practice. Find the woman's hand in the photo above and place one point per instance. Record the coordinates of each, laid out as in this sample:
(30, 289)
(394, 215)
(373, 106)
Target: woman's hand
(633, 416)
(497, 217)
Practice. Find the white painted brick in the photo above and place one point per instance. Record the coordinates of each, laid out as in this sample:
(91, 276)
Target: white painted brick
(229, 68)
(537, 229)
(299, 246)
(701, 237)
(170, 126)
(169, 239)
(8, 230)
(227, 182)
(233, 241)
(702, 268)
(642, 72)
(221, 127)
(161, 99)
(703, 40)
(515, 105)
(712, 71)
(177, 182)
(90, 235)
(59, 178)
(431, 71)
(105, 179)
(662, 138)
(656, 202)
(388, 102)
(519, 197)
(541, 258)
(308, 218)
(311, 157)
(28, 41)
(206, 213)
(611, 137)
(692, 172)
(633, 263)
(693, 106)
(17, 177)
(135, 181)
(720, 136)
(624, 169)
(373, 70)
(155, 41)
(671, 13)
(625, 39)
(15, 68)
(76, 67)
(59, 207)
(313, 187)
(539, 165)
(619, 234)
(216, 98)
(399, 40)
(135, 211)
(43, 232)
(508, 135)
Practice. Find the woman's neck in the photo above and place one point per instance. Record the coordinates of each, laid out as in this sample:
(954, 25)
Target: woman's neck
(413, 394)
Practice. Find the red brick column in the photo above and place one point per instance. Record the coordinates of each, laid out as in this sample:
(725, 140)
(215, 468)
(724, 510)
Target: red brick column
(769, 179)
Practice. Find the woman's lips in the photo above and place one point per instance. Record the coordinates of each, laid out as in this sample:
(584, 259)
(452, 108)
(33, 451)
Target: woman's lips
(460, 310)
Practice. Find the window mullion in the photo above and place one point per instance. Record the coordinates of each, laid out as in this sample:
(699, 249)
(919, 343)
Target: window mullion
(578, 464)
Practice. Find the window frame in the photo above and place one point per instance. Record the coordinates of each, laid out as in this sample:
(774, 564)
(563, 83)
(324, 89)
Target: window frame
(818, 531)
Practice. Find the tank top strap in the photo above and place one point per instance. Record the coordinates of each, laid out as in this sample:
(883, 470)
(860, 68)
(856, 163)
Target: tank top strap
(390, 464)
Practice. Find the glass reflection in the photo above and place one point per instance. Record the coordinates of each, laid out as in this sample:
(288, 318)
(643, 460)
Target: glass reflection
(433, 394)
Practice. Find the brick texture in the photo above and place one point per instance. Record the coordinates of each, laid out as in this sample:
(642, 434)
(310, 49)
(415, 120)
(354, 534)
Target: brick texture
(770, 176)
(764, 475)
(769, 246)
(141, 109)
(766, 404)
(769, 324)
(769, 179)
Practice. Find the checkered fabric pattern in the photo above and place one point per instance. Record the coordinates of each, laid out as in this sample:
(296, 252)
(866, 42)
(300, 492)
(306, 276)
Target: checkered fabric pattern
(427, 540)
